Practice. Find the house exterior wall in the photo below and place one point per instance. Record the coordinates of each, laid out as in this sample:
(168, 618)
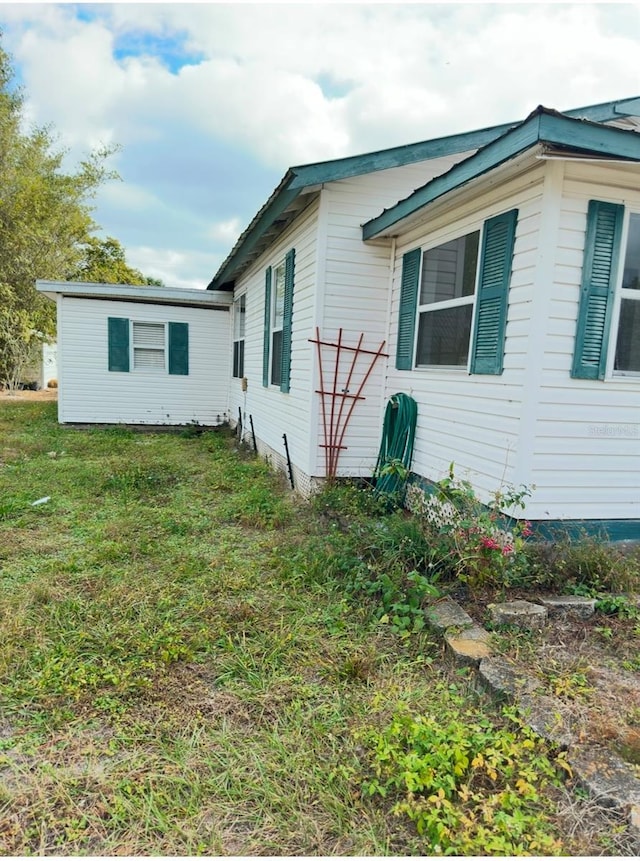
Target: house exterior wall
(585, 458)
(474, 421)
(275, 413)
(89, 392)
(355, 299)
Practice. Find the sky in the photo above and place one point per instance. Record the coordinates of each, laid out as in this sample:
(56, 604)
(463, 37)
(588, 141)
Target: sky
(210, 103)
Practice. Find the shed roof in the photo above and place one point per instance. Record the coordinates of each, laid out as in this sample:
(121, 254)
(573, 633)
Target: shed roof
(299, 183)
(133, 293)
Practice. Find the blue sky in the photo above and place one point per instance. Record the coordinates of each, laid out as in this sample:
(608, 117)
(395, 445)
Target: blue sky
(211, 102)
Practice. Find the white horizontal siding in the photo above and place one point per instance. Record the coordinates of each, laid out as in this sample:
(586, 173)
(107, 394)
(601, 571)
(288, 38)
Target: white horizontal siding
(356, 300)
(586, 453)
(90, 393)
(275, 413)
(475, 421)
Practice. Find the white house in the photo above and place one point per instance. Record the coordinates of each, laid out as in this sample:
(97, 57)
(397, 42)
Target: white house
(141, 355)
(491, 275)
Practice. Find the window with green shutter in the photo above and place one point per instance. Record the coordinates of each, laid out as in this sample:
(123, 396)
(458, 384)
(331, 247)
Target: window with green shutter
(278, 317)
(148, 346)
(179, 348)
(118, 334)
(493, 294)
(439, 285)
(407, 316)
(599, 277)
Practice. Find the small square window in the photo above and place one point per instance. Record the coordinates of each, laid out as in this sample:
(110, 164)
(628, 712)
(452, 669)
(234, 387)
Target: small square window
(149, 346)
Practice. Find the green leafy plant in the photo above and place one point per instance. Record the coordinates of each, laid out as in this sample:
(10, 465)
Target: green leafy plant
(465, 783)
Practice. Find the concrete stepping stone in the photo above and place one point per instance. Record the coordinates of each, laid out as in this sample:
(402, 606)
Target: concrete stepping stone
(503, 679)
(447, 613)
(469, 646)
(522, 614)
(569, 605)
(608, 778)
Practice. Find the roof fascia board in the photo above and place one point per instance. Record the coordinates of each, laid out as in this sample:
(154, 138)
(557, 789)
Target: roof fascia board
(333, 171)
(130, 292)
(607, 111)
(541, 126)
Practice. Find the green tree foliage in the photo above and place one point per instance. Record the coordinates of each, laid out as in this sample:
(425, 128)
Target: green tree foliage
(46, 225)
(104, 262)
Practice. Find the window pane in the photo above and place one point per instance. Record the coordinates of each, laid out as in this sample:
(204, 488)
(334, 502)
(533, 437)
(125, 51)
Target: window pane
(148, 335)
(628, 346)
(278, 297)
(238, 359)
(631, 276)
(443, 336)
(276, 358)
(144, 358)
(449, 271)
(239, 317)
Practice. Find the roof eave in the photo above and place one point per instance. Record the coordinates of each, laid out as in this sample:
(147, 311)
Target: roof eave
(542, 126)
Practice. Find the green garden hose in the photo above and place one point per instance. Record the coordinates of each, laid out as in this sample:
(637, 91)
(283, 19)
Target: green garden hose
(396, 448)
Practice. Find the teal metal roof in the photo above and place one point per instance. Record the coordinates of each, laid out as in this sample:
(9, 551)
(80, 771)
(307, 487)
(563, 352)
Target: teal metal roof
(294, 190)
(542, 126)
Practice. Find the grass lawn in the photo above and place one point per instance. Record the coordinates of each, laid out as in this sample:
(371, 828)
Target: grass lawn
(183, 673)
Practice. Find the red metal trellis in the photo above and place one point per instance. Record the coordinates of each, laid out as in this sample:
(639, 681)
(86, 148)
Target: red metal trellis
(334, 426)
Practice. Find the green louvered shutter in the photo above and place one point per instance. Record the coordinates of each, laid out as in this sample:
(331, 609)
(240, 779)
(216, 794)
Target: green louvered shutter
(287, 316)
(118, 328)
(179, 348)
(408, 303)
(487, 351)
(599, 273)
(267, 327)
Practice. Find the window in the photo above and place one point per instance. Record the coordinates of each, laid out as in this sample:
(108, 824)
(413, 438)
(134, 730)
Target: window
(441, 287)
(627, 353)
(145, 346)
(277, 319)
(148, 346)
(447, 287)
(239, 308)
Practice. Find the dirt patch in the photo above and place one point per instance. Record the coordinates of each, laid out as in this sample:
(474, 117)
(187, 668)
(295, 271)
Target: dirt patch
(28, 395)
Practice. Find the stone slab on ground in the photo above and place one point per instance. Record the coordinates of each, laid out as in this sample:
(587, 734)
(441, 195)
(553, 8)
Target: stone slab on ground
(609, 779)
(569, 605)
(547, 717)
(522, 614)
(447, 613)
(470, 646)
(504, 679)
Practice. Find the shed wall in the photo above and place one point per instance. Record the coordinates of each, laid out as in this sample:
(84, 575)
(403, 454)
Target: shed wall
(90, 393)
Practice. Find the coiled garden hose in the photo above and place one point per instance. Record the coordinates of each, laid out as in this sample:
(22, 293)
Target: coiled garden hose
(396, 448)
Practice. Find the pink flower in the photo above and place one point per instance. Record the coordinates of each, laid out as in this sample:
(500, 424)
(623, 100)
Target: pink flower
(489, 543)
(507, 549)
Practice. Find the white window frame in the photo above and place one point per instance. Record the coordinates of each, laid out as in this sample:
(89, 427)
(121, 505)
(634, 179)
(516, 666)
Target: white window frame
(239, 330)
(447, 303)
(620, 294)
(276, 327)
(136, 347)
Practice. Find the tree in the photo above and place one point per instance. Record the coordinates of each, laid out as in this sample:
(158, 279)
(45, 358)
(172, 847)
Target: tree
(104, 262)
(46, 222)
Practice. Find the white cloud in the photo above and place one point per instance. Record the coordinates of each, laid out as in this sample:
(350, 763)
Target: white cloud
(284, 85)
(226, 231)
